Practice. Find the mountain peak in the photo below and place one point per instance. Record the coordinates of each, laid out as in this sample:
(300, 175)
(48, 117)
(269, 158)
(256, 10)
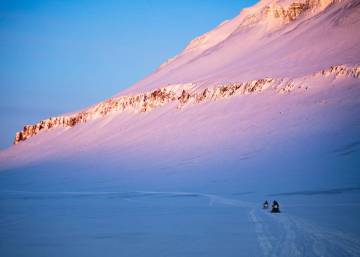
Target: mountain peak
(284, 11)
(268, 15)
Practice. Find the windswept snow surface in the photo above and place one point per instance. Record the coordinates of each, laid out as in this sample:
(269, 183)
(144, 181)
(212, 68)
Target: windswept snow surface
(190, 181)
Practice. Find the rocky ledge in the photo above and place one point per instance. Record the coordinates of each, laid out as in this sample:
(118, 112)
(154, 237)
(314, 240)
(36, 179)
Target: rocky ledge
(180, 94)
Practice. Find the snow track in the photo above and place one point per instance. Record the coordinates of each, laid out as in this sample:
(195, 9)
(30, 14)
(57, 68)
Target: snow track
(284, 235)
(287, 235)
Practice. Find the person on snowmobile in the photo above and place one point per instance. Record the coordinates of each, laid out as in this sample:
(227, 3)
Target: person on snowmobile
(275, 207)
(265, 205)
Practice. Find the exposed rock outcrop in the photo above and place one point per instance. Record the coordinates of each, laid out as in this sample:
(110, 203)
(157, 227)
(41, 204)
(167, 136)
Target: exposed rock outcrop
(297, 8)
(286, 12)
(341, 70)
(180, 94)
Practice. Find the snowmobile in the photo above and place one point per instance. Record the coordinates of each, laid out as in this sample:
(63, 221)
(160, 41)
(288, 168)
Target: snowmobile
(275, 207)
(265, 205)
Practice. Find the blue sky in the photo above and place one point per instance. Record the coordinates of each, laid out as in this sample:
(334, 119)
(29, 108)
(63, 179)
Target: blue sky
(60, 56)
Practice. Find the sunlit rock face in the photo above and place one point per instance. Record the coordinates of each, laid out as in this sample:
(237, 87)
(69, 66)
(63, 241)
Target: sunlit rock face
(280, 12)
(181, 95)
(290, 12)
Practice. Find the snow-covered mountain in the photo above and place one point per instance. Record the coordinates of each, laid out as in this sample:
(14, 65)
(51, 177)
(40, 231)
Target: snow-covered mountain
(269, 51)
(265, 106)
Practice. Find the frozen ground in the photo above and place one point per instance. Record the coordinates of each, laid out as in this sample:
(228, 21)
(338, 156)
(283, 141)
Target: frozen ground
(201, 207)
(111, 223)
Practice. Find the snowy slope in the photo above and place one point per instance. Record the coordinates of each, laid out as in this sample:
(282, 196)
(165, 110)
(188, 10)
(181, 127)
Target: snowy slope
(276, 40)
(265, 106)
(262, 42)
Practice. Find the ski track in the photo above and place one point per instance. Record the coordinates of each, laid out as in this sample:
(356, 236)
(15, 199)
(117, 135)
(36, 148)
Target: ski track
(298, 237)
(278, 235)
(295, 237)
